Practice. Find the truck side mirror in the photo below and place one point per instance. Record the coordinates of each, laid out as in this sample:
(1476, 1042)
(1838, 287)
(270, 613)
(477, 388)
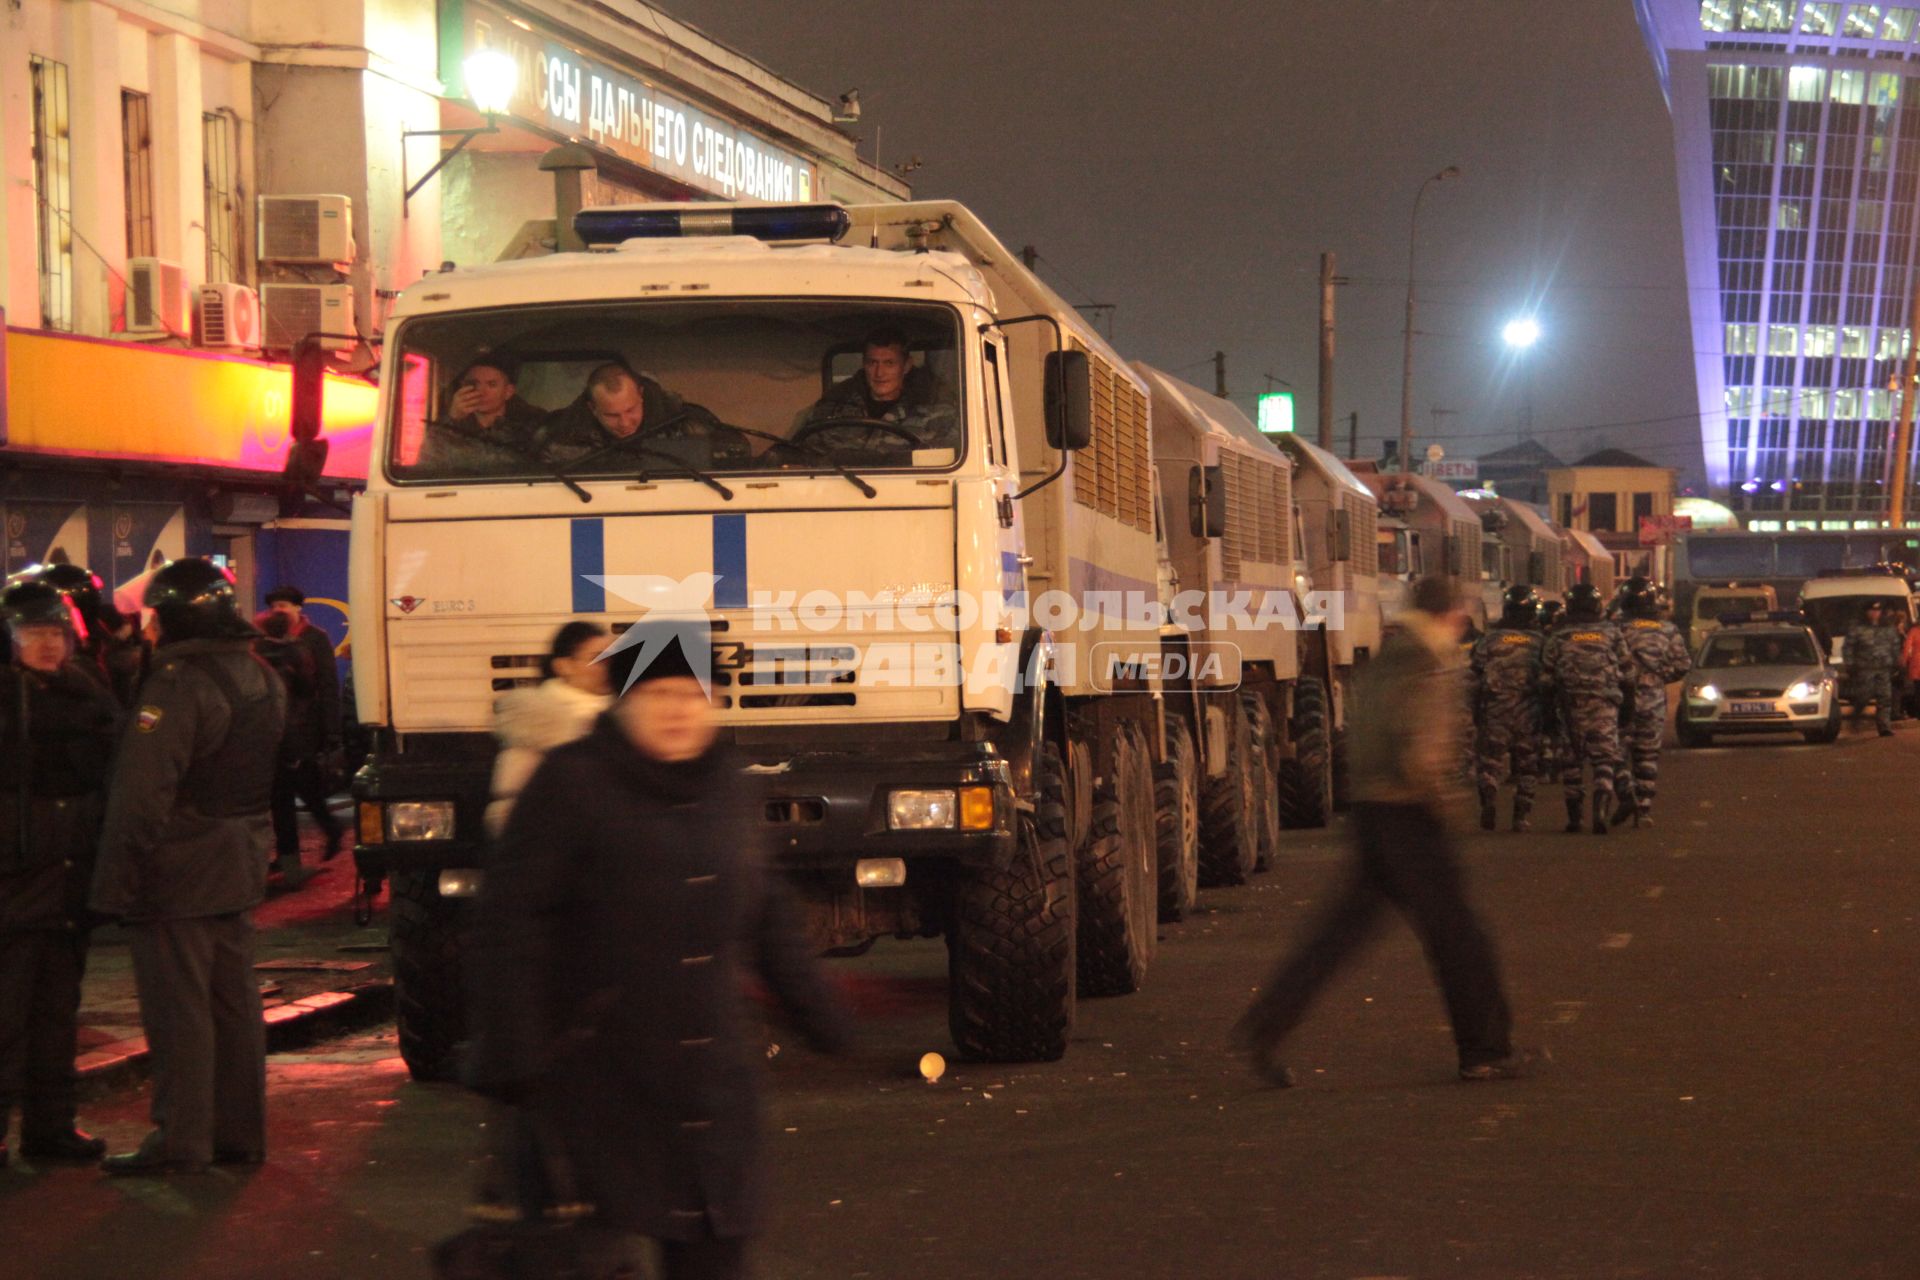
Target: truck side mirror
(1196, 503)
(1069, 400)
(1342, 536)
(1216, 526)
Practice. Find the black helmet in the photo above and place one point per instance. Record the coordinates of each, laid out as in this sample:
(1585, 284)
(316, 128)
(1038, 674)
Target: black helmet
(1638, 597)
(35, 604)
(1550, 613)
(194, 600)
(83, 588)
(1520, 607)
(1583, 603)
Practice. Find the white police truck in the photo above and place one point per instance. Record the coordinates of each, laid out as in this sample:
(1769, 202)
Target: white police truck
(934, 620)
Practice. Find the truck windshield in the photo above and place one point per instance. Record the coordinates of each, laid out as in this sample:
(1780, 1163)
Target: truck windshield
(657, 388)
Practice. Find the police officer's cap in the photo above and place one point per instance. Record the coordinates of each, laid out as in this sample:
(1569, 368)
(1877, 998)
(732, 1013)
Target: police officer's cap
(1520, 606)
(195, 600)
(1583, 602)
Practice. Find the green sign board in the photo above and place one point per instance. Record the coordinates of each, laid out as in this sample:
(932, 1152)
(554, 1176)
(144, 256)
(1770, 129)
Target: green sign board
(1276, 412)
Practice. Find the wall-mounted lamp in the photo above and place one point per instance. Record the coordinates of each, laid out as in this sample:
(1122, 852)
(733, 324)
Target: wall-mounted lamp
(490, 76)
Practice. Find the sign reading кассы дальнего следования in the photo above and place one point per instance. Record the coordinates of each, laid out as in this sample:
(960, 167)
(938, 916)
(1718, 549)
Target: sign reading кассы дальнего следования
(586, 100)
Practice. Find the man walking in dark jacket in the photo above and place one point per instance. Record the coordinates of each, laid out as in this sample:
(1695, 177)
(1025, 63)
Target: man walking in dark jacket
(57, 723)
(630, 893)
(1403, 749)
(311, 752)
(182, 862)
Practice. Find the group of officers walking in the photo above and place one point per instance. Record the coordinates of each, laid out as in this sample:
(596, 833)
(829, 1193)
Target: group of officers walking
(1576, 691)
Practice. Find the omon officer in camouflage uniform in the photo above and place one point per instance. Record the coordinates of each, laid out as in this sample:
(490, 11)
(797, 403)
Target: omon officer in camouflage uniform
(1872, 652)
(1659, 657)
(1585, 666)
(1504, 676)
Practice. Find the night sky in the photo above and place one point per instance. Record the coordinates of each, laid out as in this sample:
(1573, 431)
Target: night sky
(1190, 162)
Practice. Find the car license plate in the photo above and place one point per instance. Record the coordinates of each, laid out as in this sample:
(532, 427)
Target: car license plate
(1751, 709)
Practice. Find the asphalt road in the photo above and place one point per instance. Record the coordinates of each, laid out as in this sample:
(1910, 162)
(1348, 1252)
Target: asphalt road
(1727, 999)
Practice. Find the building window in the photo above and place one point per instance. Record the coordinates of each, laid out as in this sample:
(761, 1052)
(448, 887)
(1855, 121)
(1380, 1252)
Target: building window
(136, 142)
(1819, 340)
(1816, 402)
(1779, 402)
(1783, 340)
(1642, 508)
(1899, 25)
(52, 191)
(223, 207)
(1740, 401)
(1817, 19)
(1849, 88)
(1846, 402)
(1793, 215)
(1716, 15)
(1566, 510)
(1863, 21)
(1853, 342)
(1766, 15)
(1880, 404)
(1743, 339)
(1603, 512)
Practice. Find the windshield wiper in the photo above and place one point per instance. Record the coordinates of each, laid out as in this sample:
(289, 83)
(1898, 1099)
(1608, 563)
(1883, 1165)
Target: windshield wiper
(525, 450)
(852, 476)
(686, 468)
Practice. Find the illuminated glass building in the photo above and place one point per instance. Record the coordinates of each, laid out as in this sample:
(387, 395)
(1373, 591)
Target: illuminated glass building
(1797, 134)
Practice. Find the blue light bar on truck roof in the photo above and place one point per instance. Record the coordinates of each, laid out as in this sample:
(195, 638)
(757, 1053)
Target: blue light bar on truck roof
(607, 226)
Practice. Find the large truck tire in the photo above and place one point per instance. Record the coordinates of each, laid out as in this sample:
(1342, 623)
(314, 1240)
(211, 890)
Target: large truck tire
(1229, 832)
(429, 995)
(1176, 815)
(1010, 952)
(1342, 772)
(1119, 889)
(1306, 781)
(1266, 757)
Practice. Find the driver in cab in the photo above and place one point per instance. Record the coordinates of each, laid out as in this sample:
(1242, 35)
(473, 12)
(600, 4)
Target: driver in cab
(889, 388)
(620, 406)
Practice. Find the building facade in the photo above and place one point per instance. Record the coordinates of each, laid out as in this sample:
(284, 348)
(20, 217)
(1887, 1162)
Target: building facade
(1608, 494)
(267, 148)
(1797, 139)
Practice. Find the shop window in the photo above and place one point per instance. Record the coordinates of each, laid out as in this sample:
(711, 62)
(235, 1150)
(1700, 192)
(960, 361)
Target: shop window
(1819, 19)
(52, 191)
(136, 141)
(223, 206)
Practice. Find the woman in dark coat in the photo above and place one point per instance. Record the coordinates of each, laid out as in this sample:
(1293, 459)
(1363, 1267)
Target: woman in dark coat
(629, 896)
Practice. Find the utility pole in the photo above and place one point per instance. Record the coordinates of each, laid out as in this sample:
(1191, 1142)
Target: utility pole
(1353, 434)
(1029, 255)
(1406, 365)
(1326, 350)
(1903, 437)
(1220, 374)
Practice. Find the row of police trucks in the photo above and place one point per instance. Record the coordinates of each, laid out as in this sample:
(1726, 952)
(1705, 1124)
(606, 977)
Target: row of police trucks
(1025, 682)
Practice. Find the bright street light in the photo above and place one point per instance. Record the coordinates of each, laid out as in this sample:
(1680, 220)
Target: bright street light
(490, 76)
(1521, 333)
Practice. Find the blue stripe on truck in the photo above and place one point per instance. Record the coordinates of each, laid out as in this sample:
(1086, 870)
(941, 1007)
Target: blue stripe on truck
(589, 537)
(730, 562)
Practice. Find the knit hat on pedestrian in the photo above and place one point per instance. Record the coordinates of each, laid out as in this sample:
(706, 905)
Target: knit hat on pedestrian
(660, 650)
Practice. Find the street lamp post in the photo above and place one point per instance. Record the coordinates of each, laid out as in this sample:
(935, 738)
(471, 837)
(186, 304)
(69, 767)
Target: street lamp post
(1520, 334)
(1406, 369)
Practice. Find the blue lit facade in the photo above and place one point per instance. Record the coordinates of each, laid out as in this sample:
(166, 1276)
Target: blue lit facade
(1797, 138)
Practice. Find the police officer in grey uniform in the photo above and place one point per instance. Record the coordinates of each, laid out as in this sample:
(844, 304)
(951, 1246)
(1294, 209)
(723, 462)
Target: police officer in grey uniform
(1585, 670)
(183, 860)
(1872, 652)
(1660, 657)
(1504, 675)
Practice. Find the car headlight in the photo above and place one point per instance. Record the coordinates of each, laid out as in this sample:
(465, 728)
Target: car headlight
(420, 820)
(1800, 691)
(920, 810)
(1706, 693)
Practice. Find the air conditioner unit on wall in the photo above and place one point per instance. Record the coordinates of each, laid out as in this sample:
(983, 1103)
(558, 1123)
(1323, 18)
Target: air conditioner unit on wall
(293, 311)
(314, 230)
(229, 316)
(157, 301)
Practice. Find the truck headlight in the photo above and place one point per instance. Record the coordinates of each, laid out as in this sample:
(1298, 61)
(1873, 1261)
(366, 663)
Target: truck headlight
(921, 810)
(1800, 691)
(420, 820)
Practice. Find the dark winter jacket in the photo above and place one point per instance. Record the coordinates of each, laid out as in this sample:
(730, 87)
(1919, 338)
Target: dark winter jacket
(925, 407)
(59, 766)
(326, 686)
(187, 830)
(623, 907)
(293, 662)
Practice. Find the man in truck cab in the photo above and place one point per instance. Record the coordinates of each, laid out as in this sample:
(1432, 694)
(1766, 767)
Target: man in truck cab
(619, 405)
(487, 426)
(889, 388)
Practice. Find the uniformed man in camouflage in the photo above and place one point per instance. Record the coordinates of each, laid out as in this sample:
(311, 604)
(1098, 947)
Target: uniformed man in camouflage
(1553, 738)
(1660, 657)
(1585, 667)
(1872, 652)
(183, 860)
(1504, 676)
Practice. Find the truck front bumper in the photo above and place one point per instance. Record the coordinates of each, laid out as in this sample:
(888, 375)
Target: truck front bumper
(831, 809)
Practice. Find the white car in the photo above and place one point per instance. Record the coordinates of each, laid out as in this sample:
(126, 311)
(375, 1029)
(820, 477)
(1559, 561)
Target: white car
(1765, 675)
